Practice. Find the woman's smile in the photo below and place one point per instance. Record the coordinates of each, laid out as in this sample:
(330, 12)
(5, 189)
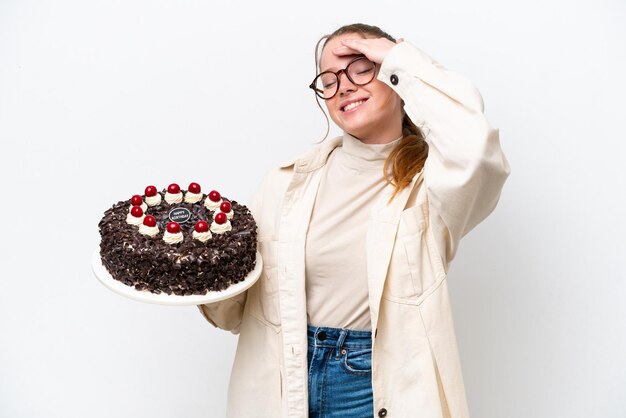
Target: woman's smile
(352, 107)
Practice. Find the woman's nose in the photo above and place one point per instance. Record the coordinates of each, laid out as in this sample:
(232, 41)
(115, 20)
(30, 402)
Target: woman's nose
(345, 84)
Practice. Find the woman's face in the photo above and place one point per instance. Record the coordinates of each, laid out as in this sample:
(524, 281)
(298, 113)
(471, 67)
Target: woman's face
(376, 120)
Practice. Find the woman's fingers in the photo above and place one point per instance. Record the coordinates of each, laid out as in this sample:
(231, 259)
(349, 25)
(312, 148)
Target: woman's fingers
(374, 49)
(351, 47)
(345, 50)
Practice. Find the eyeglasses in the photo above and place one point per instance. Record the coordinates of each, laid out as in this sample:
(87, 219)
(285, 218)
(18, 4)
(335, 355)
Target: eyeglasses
(359, 71)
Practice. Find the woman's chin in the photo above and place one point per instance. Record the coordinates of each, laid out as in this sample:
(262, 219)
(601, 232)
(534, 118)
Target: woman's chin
(353, 125)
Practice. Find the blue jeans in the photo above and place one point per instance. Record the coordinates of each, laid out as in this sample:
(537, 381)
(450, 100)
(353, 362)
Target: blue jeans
(340, 373)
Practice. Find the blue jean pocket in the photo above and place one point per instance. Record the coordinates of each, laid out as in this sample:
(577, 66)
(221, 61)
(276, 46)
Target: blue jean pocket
(358, 361)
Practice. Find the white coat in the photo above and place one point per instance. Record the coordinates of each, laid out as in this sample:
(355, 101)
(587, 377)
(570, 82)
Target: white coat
(416, 371)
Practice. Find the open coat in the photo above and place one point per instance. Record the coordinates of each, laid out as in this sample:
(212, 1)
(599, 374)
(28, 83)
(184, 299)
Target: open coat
(416, 371)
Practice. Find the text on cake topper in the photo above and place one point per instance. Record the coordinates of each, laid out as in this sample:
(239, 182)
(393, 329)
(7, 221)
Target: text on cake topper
(180, 215)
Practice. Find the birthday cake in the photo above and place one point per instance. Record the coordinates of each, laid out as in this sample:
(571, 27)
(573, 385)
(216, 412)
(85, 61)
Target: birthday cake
(180, 242)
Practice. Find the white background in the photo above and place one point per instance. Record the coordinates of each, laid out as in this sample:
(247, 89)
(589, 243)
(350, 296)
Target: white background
(100, 98)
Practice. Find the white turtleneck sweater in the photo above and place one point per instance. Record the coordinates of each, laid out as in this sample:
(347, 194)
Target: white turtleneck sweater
(336, 269)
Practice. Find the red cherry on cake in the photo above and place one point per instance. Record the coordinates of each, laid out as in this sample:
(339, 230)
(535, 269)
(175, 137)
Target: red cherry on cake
(225, 206)
(173, 188)
(220, 218)
(136, 211)
(149, 220)
(173, 228)
(151, 191)
(215, 196)
(194, 188)
(136, 200)
(201, 226)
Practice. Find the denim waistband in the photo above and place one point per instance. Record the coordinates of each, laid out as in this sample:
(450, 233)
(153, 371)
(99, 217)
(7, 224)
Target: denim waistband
(338, 337)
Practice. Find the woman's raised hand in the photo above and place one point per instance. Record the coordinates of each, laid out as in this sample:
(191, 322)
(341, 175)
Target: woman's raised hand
(374, 49)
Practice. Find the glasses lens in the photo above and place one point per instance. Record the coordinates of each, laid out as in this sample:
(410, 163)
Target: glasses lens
(326, 84)
(362, 71)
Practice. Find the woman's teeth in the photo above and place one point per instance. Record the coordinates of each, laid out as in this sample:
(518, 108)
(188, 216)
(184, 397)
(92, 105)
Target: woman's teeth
(352, 105)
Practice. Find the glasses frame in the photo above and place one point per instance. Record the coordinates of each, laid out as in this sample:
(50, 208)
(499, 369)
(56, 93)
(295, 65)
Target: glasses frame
(338, 75)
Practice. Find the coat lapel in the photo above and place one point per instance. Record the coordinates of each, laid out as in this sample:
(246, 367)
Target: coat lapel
(296, 210)
(380, 240)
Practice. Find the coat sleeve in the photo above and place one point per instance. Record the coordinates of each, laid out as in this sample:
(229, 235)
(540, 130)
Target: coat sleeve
(227, 314)
(466, 168)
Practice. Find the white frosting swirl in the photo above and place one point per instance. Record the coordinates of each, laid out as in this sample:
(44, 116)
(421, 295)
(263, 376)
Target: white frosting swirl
(172, 238)
(148, 230)
(229, 215)
(173, 198)
(153, 200)
(143, 206)
(133, 220)
(209, 204)
(202, 236)
(221, 228)
(193, 197)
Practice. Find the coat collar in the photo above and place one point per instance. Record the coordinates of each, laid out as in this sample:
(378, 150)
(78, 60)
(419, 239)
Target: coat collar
(314, 158)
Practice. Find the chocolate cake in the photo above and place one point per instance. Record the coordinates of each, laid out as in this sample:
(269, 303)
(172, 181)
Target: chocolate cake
(181, 242)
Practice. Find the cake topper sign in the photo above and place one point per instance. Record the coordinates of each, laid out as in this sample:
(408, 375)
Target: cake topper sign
(180, 215)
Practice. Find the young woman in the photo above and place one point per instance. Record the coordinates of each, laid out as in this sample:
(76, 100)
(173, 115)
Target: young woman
(351, 316)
